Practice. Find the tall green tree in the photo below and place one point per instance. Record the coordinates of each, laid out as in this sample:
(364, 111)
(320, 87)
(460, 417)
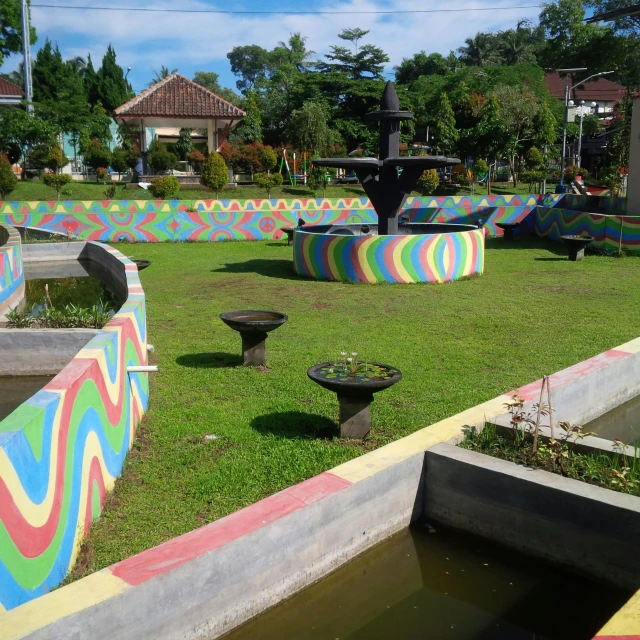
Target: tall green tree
(420, 64)
(11, 29)
(490, 136)
(309, 129)
(112, 90)
(250, 129)
(184, 145)
(481, 51)
(445, 130)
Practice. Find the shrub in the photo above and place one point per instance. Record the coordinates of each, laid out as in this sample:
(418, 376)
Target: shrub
(133, 155)
(97, 156)
(8, 179)
(196, 159)
(110, 191)
(428, 182)
(102, 174)
(268, 182)
(214, 173)
(320, 178)
(56, 181)
(571, 172)
(268, 157)
(161, 160)
(119, 161)
(164, 188)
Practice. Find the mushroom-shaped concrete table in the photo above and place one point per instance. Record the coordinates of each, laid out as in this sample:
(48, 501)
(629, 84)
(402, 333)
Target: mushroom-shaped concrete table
(354, 386)
(576, 246)
(253, 326)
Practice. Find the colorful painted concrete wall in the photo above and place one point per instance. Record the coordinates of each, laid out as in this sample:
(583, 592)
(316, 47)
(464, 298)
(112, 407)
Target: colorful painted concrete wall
(11, 273)
(610, 232)
(441, 257)
(61, 450)
(210, 220)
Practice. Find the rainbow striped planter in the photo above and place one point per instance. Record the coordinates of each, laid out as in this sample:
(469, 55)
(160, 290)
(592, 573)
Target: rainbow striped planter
(438, 257)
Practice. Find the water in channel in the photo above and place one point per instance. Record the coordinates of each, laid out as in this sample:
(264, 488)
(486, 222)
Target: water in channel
(621, 423)
(442, 585)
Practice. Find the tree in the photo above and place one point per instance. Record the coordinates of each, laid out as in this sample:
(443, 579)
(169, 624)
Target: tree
(214, 173)
(308, 129)
(268, 158)
(97, 156)
(250, 129)
(120, 160)
(428, 182)
(184, 145)
(111, 90)
(445, 130)
(518, 109)
(490, 135)
(250, 63)
(320, 178)
(367, 62)
(209, 80)
(161, 75)
(11, 29)
(268, 182)
(295, 52)
(421, 64)
(56, 181)
(480, 51)
(8, 180)
(159, 158)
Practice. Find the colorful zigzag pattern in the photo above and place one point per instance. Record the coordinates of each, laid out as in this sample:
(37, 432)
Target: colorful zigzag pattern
(211, 220)
(11, 273)
(442, 257)
(62, 449)
(610, 233)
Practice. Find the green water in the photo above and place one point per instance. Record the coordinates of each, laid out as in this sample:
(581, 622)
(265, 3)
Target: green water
(621, 423)
(14, 390)
(440, 586)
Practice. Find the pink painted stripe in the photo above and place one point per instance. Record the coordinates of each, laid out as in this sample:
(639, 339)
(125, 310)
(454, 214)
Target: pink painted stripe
(531, 391)
(176, 552)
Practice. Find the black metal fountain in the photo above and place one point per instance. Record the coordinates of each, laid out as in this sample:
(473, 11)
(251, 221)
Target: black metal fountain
(381, 179)
(253, 327)
(372, 252)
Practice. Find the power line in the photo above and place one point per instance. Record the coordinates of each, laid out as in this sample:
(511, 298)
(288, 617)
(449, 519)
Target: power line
(296, 13)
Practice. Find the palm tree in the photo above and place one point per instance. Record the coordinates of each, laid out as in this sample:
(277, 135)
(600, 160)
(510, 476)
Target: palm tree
(17, 76)
(297, 51)
(516, 46)
(78, 65)
(481, 51)
(161, 75)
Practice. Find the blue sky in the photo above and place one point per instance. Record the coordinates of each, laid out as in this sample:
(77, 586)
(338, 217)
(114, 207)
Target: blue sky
(190, 42)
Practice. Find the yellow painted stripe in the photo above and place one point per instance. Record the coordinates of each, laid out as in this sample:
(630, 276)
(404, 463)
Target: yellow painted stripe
(47, 609)
(91, 450)
(625, 622)
(369, 464)
(630, 347)
(362, 259)
(397, 259)
(431, 260)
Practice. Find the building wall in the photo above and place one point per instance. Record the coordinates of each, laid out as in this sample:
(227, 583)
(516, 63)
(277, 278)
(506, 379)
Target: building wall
(61, 450)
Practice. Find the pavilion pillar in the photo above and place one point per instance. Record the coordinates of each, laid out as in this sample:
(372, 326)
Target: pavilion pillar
(215, 129)
(210, 139)
(143, 147)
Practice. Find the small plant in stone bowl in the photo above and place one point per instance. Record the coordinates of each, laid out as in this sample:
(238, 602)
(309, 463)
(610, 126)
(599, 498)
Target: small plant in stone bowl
(350, 369)
(354, 382)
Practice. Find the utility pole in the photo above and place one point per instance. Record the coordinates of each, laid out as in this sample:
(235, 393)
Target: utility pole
(26, 49)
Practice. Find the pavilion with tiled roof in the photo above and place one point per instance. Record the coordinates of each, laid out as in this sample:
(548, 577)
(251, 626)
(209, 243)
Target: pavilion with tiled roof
(10, 94)
(176, 101)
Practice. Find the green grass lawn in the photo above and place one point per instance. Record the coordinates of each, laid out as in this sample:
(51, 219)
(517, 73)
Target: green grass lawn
(33, 190)
(532, 313)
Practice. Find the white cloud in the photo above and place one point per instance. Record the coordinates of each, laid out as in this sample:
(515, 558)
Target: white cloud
(186, 40)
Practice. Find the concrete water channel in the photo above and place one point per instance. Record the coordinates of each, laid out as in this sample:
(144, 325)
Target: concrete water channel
(433, 582)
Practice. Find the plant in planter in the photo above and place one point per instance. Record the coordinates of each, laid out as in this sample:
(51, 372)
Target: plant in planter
(354, 382)
(164, 188)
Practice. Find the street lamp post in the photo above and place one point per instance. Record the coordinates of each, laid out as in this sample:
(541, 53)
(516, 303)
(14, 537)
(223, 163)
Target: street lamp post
(593, 105)
(560, 188)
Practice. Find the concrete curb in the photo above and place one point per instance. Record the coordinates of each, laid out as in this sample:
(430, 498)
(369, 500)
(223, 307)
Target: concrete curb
(199, 585)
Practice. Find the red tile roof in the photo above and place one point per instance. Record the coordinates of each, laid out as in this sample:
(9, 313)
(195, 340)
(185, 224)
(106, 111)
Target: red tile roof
(597, 89)
(9, 89)
(178, 97)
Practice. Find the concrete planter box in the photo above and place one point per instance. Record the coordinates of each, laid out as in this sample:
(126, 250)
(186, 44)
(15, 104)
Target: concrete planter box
(589, 529)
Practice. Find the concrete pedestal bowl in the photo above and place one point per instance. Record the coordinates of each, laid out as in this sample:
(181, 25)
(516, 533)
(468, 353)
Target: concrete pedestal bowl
(253, 326)
(140, 263)
(508, 228)
(355, 392)
(576, 246)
